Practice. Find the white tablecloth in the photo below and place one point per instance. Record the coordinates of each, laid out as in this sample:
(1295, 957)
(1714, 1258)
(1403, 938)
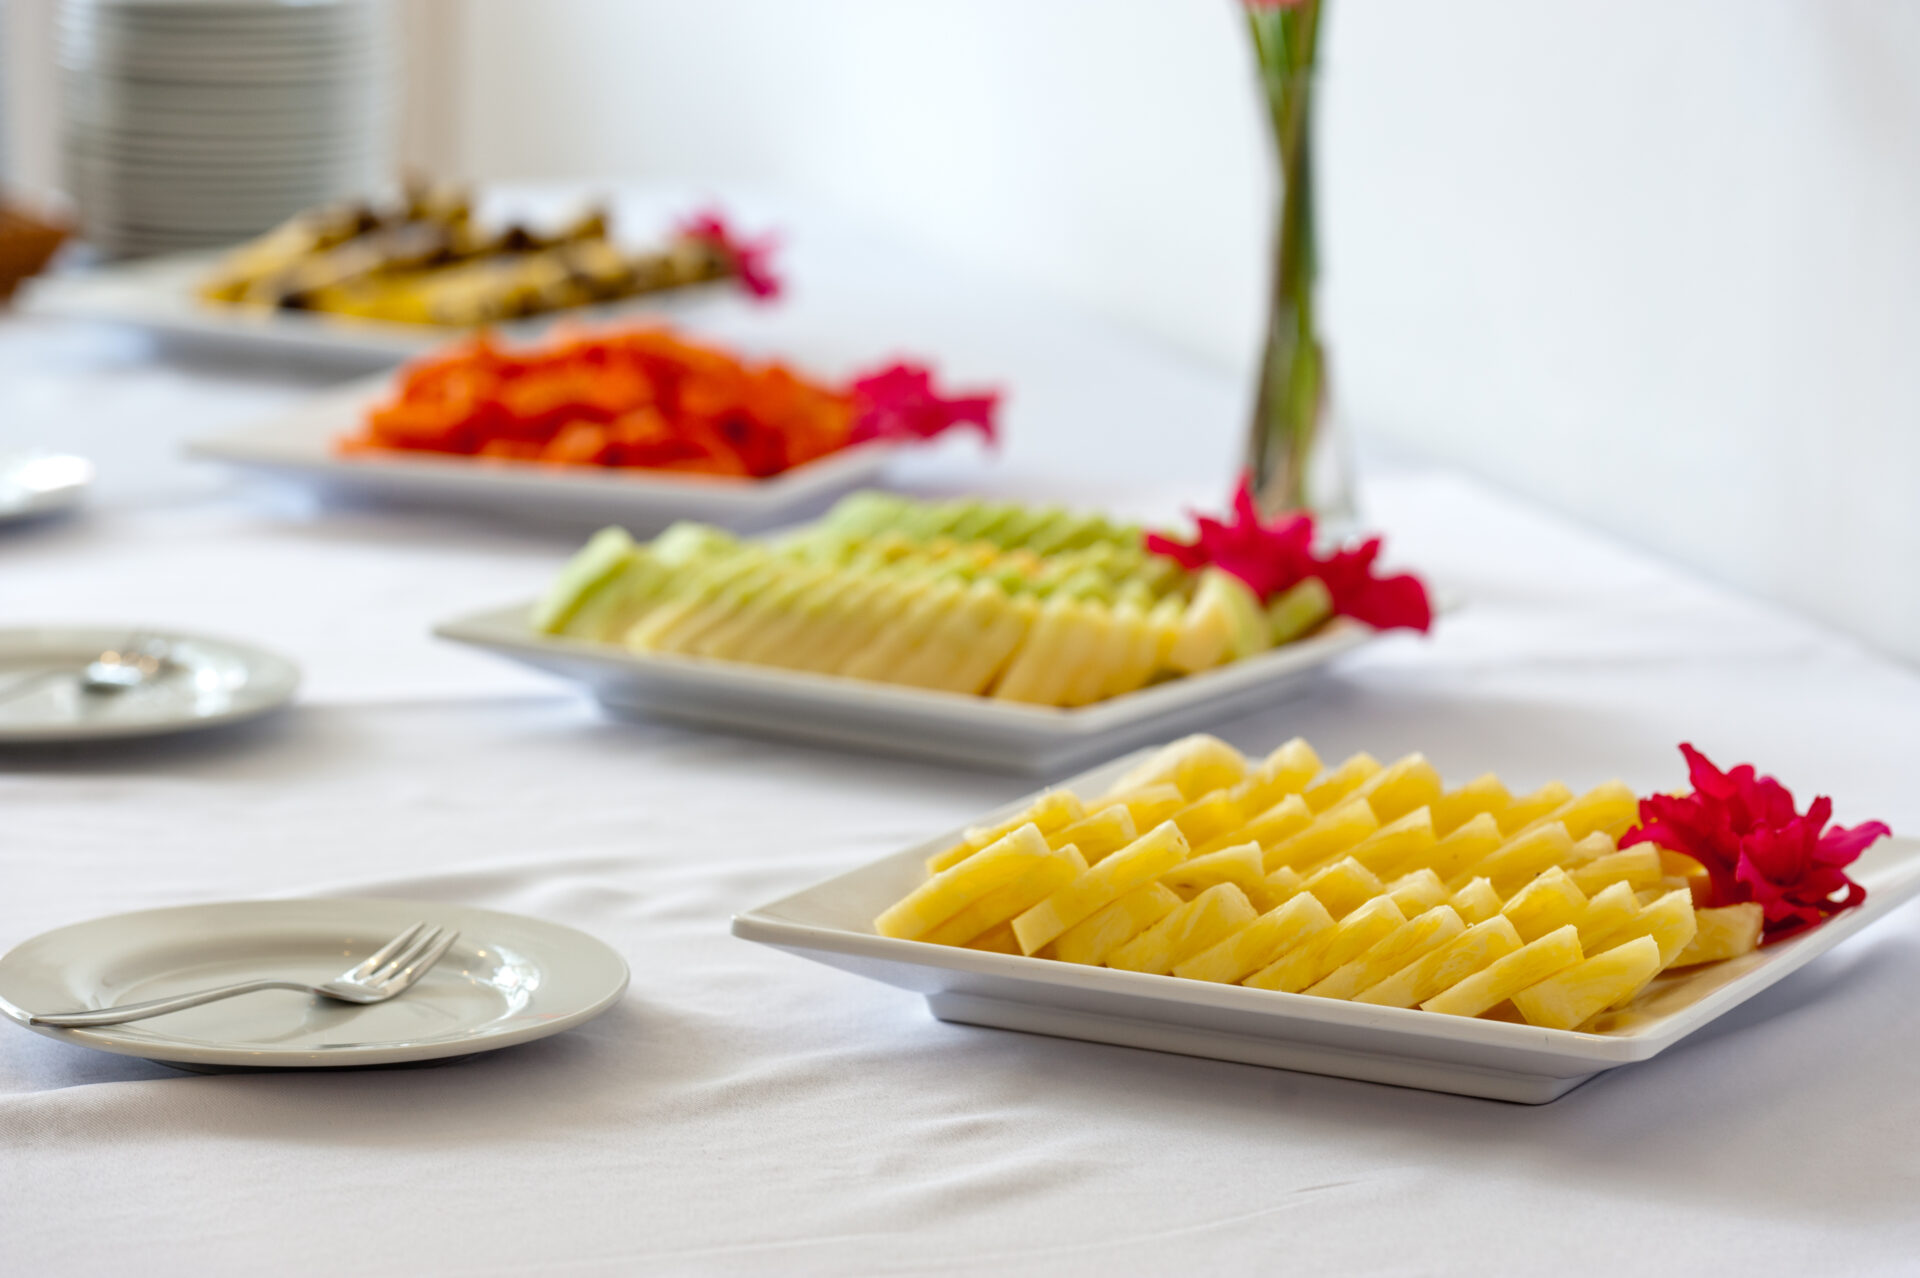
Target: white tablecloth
(744, 1111)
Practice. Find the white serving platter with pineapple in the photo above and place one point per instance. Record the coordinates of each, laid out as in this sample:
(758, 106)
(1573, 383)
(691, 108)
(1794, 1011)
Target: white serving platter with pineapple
(1583, 975)
(985, 633)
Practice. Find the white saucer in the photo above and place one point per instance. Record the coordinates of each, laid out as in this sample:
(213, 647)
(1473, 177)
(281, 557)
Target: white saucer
(36, 484)
(215, 681)
(509, 979)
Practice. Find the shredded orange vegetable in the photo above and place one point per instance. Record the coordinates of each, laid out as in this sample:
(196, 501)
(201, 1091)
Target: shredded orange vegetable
(628, 398)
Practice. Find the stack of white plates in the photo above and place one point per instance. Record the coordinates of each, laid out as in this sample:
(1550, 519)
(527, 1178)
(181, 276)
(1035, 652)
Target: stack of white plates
(201, 122)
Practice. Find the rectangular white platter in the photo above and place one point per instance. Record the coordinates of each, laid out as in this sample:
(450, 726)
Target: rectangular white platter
(157, 294)
(300, 445)
(950, 727)
(831, 923)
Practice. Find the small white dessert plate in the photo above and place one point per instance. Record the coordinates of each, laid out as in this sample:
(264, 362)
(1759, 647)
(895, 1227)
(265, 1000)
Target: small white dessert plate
(301, 445)
(33, 485)
(158, 295)
(507, 980)
(832, 923)
(210, 682)
(977, 731)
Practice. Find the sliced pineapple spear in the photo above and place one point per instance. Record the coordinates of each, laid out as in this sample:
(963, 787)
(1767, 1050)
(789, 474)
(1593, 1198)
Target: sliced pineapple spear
(1054, 810)
(1260, 942)
(1504, 977)
(1109, 927)
(1139, 863)
(1472, 951)
(1239, 866)
(999, 864)
(1214, 915)
(1346, 940)
(1412, 940)
(1575, 996)
(1726, 932)
(998, 906)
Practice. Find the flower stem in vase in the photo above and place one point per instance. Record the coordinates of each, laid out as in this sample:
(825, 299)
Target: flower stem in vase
(1292, 453)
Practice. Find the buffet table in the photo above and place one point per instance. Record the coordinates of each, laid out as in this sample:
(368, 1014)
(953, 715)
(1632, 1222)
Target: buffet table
(744, 1111)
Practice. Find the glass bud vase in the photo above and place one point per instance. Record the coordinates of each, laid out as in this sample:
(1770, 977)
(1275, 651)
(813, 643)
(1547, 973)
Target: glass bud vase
(1296, 457)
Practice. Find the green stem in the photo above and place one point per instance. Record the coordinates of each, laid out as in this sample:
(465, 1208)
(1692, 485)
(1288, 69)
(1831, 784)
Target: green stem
(1291, 398)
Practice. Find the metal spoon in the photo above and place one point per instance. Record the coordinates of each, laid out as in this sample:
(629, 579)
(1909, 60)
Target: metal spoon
(139, 661)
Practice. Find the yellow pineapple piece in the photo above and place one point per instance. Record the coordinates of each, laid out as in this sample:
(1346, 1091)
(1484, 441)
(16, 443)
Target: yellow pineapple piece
(1473, 950)
(1284, 772)
(1411, 941)
(1328, 838)
(1590, 987)
(1609, 809)
(1482, 795)
(1283, 883)
(1260, 942)
(1112, 645)
(1345, 941)
(1280, 822)
(1725, 932)
(992, 909)
(1214, 628)
(1140, 862)
(996, 940)
(1344, 886)
(1522, 857)
(1469, 844)
(1214, 915)
(1528, 808)
(1549, 902)
(1418, 892)
(1590, 849)
(1195, 764)
(1054, 810)
(1504, 977)
(1000, 863)
(1608, 912)
(1099, 834)
(1112, 925)
(1400, 787)
(1138, 644)
(1152, 804)
(1638, 866)
(1335, 784)
(1668, 919)
(1404, 841)
(1477, 901)
(1239, 866)
(1061, 642)
(1209, 816)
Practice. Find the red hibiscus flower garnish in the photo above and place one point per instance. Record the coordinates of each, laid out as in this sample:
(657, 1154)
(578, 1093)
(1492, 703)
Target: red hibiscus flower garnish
(899, 402)
(752, 259)
(1272, 558)
(1757, 846)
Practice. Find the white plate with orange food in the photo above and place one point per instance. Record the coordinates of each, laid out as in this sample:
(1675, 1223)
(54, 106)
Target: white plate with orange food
(1365, 922)
(304, 446)
(988, 633)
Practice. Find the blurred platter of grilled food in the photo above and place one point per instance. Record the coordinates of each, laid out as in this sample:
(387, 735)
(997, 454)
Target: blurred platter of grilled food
(425, 259)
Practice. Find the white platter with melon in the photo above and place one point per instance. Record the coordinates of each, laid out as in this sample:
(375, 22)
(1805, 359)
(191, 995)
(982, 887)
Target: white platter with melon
(1472, 941)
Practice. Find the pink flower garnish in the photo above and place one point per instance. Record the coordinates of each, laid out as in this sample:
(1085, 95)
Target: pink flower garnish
(752, 259)
(1756, 846)
(899, 402)
(1275, 557)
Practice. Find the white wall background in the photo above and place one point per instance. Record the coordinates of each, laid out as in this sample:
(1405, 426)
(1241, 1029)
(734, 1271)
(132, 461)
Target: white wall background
(1655, 261)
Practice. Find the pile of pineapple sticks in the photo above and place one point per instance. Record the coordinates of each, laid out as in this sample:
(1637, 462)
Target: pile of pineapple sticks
(1362, 881)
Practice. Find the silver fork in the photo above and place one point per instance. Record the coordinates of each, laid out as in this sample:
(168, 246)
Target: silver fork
(390, 970)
